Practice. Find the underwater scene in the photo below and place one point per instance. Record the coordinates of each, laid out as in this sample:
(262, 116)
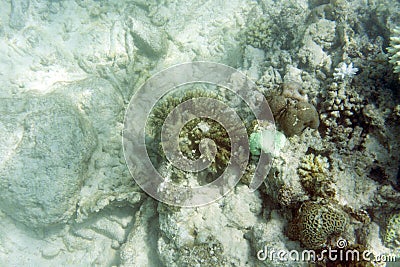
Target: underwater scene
(168, 133)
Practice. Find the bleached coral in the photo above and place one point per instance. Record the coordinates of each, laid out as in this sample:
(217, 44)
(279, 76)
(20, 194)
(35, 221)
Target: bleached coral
(345, 71)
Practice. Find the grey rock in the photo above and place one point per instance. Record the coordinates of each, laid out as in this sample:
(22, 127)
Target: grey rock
(41, 178)
(150, 40)
(19, 9)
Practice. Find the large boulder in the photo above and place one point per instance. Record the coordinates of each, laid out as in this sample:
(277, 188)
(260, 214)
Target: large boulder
(45, 144)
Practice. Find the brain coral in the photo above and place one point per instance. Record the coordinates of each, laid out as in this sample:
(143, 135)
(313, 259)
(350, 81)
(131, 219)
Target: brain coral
(316, 222)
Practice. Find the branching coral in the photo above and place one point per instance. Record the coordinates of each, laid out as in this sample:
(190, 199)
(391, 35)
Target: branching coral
(341, 116)
(259, 33)
(394, 50)
(314, 176)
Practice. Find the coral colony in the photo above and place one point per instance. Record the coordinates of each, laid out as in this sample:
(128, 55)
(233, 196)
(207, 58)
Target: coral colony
(345, 71)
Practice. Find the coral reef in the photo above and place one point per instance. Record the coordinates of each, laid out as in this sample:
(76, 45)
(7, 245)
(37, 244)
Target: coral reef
(70, 67)
(316, 222)
(394, 50)
(392, 233)
(193, 132)
(290, 110)
(314, 176)
(340, 116)
(280, 27)
(261, 141)
(345, 72)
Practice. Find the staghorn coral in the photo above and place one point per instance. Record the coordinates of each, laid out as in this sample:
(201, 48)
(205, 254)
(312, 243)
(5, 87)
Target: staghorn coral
(314, 176)
(394, 50)
(316, 222)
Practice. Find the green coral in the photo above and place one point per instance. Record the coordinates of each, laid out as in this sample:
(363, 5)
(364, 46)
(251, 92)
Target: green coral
(262, 141)
(314, 176)
(394, 50)
(392, 234)
(316, 222)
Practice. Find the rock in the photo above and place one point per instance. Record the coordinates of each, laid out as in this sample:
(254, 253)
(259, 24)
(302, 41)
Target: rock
(42, 175)
(145, 233)
(149, 39)
(17, 16)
